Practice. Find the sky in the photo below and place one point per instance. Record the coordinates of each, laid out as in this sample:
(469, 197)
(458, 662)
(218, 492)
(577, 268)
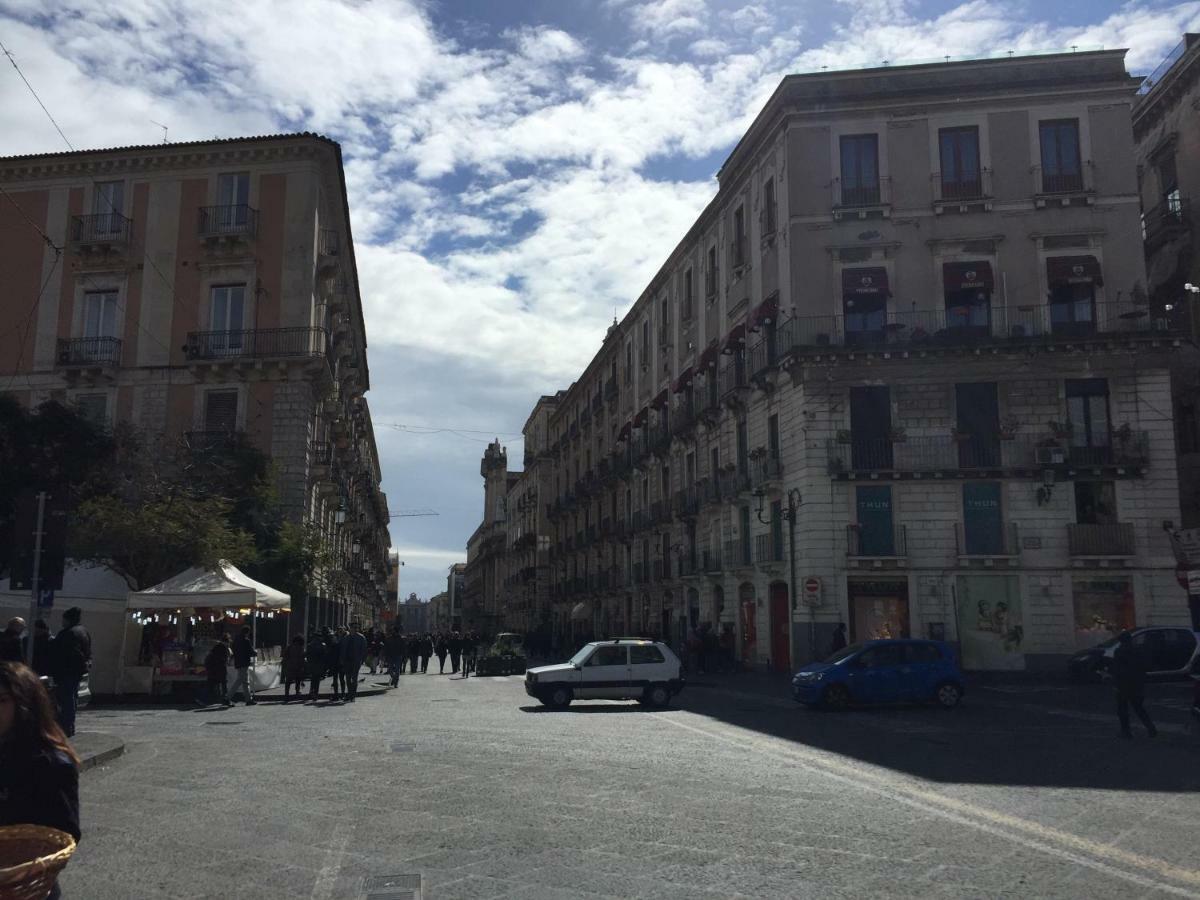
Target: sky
(517, 170)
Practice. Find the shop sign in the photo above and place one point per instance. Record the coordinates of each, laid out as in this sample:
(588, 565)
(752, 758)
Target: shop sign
(1186, 544)
(1193, 583)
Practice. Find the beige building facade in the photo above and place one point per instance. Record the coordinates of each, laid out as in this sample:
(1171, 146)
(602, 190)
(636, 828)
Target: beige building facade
(199, 290)
(902, 373)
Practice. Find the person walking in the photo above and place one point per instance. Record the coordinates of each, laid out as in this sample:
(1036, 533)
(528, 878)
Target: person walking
(72, 660)
(292, 667)
(333, 660)
(839, 639)
(39, 770)
(455, 644)
(12, 641)
(1129, 676)
(426, 651)
(316, 655)
(393, 652)
(441, 648)
(243, 657)
(414, 652)
(216, 672)
(470, 645)
(353, 652)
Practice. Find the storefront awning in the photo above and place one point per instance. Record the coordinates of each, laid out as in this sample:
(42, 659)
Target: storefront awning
(1073, 270)
(765, 313)
(223, 586)
(871, 281)
(967, 276)
(735, 338)
(684, 379)
(709, 357)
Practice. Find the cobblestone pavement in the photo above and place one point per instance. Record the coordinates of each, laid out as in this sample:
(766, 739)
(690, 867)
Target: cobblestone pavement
(732, 792)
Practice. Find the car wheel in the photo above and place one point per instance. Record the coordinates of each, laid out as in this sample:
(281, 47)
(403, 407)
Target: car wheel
(836, 697)
(947, 694)
(560, 697)
(656, 695)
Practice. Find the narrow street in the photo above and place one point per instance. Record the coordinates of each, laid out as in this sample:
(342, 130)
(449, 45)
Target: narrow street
(732, 792)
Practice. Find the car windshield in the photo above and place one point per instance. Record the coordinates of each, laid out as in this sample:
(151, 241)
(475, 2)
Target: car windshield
(844, 653)
(580, 657)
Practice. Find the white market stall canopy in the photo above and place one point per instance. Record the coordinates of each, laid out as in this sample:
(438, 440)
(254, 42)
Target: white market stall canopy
(222, 587)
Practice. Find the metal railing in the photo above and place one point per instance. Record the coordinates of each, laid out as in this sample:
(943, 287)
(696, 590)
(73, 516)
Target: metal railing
(733, 376)
(329, 242)
(739, 553)
(1064, 182)
(687, 501)
(768, 548)
(1171, 218)
(1163, 67)
(100, 228)
(876, 543)
(88, 351)
(1112, 539)
(764, 470)
(967, 325)
(709, 489)
(953, 190)
(1000, 541)
(232, 219)
(683, 418)
(765, 354)
(859, 196)
(321, 453)
(710, 561)
(256, 343)
(689, 564)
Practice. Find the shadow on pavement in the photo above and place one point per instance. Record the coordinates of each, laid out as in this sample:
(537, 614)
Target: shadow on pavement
(603, 708)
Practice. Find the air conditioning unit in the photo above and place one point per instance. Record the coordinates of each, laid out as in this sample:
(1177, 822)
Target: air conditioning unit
(1051, 456)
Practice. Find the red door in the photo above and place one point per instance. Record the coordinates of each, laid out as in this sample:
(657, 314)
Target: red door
(781, 624)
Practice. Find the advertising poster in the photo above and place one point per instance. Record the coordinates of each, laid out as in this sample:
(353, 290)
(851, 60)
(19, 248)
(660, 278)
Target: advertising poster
(990, 629)
(1103, 608)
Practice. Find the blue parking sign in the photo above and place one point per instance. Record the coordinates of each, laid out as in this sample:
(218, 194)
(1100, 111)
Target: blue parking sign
(45, 599)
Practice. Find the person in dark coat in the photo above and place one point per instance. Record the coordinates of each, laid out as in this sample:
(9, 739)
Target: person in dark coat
(39, 770)
(426, 652)
(393, 652)
(315, 659)
(12, 641)
(455, 644)
(441, 648)
(839, 639)
(216, 671)
(292, 667)
(1129, 675)
(72, 660)
(243, 658)
(333, 661)
(353, 652)
(414, 652)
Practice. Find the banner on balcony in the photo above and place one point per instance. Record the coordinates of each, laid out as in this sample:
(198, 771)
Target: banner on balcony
(871, 281)
(1073, 270)
(968, 276)
(991, 632)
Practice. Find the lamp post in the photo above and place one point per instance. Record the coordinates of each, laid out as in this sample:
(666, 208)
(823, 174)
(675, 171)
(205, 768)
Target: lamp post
(789, 515)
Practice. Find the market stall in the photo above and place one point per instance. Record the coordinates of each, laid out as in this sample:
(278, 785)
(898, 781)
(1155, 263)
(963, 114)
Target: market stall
(181, 618)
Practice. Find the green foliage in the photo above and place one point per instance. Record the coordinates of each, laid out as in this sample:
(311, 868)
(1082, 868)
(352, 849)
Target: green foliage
(292, 559)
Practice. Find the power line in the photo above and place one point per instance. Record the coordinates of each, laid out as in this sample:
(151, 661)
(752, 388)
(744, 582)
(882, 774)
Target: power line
(36, 227)
(28, 323)
(13, 60)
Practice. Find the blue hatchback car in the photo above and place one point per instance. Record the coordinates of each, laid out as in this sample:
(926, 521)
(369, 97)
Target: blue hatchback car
(893, 671)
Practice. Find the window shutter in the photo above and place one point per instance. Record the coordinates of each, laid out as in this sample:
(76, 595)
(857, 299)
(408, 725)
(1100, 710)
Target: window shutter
(220, 411)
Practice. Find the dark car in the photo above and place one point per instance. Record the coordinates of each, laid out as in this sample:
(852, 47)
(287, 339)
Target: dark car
(893, 671)
(1169, 653)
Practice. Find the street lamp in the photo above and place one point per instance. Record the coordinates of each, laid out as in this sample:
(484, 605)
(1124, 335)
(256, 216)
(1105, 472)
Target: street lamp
(339, 514)
(789, 515)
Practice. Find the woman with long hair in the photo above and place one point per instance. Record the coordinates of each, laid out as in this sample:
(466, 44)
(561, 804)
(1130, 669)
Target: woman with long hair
(39, 770)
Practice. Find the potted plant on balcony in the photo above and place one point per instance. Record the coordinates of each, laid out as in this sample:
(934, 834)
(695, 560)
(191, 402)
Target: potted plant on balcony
(1008, 429)
(1063, 430)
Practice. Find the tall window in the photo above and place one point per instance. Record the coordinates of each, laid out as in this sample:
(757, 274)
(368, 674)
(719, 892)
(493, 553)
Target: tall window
(645, 342)
(876, 535)
(860, 169)
(773, 436)
(983, 519)
(769, 212)
(737, 251)
(1168, 186)
(220, 410)
(100, 314)
(870, 427)
(1087, 410)
(743, 449)
(688, 296)
(226, 318)
(108, 203)
(777, 529)
(1072, 281)
(233, 200)
(959, 149)
(744, 517)
(1062, 168)
(710, 274)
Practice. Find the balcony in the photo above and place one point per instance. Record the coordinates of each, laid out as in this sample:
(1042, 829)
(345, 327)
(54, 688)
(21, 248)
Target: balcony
(683, 419)
(687, 502)
(660, 439)
(1166, 222)
(739, 553)
(658, 571)
(764, 471)
(765, 354)
(641, 573)
(865, 201)
(689, 565)
(934, 330)
(768, 548)
(987, 547)
(733, 380)
(610, 390)
(877, 546)
(256, 343)
(710, 398)
(1064, 188)
(709, 490)
(96, 353)
(964, 193)
(1113, 540)
(230, 221)
(734, 482)
(710, 561)
(104, 232)
(1124, 453)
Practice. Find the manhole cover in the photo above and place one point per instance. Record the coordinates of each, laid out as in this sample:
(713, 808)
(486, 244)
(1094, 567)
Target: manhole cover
(400, 747)
(393, 887)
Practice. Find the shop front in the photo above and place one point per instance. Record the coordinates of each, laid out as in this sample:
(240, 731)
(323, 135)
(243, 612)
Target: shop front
(878, 608)
(991, 631)
(1103, 607)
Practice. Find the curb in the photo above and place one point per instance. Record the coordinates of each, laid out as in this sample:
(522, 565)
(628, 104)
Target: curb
(90, 761)
(362, 692)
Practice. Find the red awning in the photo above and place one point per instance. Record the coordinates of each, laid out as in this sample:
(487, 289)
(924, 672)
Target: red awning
(968, 276)
(735, 338)
(709, 357)
(640, 419)
(1073, 270)
(623, 434)
(683, 380)
(865, 282)
(661, 400)
(765, 313)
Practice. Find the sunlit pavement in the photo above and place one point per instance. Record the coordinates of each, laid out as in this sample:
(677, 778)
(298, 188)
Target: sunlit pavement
(731, 792)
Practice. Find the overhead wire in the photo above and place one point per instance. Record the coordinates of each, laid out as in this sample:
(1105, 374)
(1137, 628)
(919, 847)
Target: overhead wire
(28, 324)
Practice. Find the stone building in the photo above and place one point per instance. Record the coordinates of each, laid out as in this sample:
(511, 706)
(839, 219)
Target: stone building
(198, 290)
(901, 373)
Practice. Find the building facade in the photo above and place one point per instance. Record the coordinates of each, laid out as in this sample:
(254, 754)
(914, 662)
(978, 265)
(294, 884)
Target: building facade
(901, 373)
(197, 291)
(456, 594)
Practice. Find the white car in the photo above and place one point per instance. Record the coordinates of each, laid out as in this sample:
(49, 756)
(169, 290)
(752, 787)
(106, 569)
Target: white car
(620, 669)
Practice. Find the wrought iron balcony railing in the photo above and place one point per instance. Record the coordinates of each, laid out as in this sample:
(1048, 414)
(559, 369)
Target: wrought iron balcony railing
(1001, 540)
(256, 343)
(874, 543)
(101, 228)
(89, 352)
(1111, 539)
(768, 548)
(229, 220)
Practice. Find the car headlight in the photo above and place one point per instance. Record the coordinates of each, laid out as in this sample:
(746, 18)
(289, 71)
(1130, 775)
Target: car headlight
(809, 676)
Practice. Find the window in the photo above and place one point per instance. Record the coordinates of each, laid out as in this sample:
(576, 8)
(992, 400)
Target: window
(860, 169)
(645, 343)
(864, 304)
(1095, 503)
(227, 307)
(100, 314)
(710, 274)
(959, 150)
(737, 250)
(688, 299)
(220, 410)
(108, 202)
(743, 446)
(983, 519)
(870, 427)
(1168, 185)
(1072, 281)
(607, 656)
(875, 535)
(233, 190)
(93, 408)
(777, 529)
(967, 293)
(1062, 168)
(1087, 411)
(744, 522)
(773, 436)
(629, 363)
(769, 211)
(977, 409)
(644, 655)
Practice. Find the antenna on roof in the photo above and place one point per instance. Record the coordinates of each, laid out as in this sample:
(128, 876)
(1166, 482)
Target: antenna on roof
(163, 127)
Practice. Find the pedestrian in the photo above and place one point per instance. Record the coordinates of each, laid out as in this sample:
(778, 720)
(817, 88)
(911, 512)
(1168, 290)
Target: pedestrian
(426, 651)
(39, 770)
(243, 657)
(393, 652)
(292, 667)
(414, 652)
(216, 671)
(333, 660)
(71, 662)
(316, 656)
(12, 641)
(1129, 676)
(455, 645)
(839, 639)
(440, 649)
(470, 645)
(353, 652)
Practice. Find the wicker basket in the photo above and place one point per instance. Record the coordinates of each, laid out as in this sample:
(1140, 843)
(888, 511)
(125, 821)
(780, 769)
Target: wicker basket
(31, 856)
